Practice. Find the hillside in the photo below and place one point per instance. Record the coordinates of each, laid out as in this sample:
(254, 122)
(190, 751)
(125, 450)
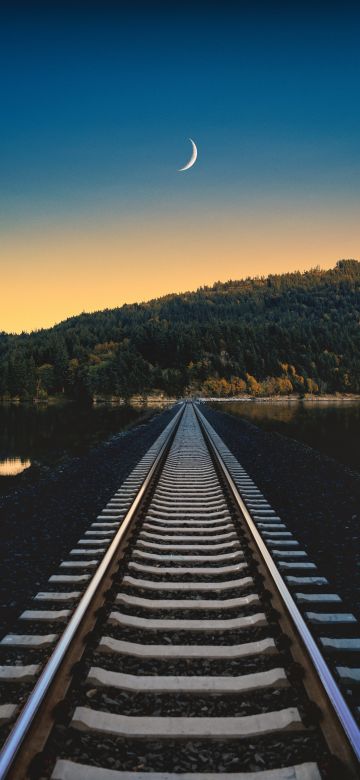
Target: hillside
(295, 332)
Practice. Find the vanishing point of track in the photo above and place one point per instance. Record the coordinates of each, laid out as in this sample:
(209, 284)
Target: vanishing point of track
(199, 640)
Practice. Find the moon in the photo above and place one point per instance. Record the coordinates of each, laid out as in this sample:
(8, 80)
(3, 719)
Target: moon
(193, 157)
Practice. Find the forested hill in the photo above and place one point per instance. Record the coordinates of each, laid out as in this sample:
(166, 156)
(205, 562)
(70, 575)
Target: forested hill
(297, 332)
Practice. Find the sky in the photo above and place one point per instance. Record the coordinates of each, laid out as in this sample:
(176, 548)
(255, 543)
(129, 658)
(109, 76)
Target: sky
(97, 105)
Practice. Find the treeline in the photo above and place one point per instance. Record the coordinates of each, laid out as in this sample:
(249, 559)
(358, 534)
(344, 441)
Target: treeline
(297, 332)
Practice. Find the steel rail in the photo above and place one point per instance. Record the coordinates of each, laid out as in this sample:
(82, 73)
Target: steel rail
(334, 695)
(26, 718)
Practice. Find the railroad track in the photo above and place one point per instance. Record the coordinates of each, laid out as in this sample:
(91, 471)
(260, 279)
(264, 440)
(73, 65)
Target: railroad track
(186, 637)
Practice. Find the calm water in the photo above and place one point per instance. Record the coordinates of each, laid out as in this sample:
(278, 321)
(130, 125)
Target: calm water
(330, 427)
(33, 435)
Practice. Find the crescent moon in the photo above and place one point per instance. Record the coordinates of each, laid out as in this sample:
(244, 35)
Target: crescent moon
(192, 158)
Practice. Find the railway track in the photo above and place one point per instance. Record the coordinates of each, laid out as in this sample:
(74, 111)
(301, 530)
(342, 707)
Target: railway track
(187, 636)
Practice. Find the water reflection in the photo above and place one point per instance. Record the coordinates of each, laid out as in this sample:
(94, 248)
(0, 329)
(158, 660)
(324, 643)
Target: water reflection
(10, 467)
(332, 427)
(44, 435)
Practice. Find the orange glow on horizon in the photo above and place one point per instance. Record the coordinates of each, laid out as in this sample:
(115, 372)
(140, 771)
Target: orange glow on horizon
(47, 276)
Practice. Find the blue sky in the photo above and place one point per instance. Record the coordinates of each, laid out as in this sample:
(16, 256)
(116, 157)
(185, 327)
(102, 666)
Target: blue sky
(107, 100)
(98, 102)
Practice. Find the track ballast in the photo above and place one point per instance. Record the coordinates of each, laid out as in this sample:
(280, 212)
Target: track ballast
(184, 653)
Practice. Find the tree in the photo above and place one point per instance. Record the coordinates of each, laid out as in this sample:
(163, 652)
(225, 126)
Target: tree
(59, 361)
(276, 335)
(21, 374)
(252, 384)
(45, 379)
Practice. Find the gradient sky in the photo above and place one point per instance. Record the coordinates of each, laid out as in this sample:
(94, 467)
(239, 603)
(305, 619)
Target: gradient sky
(97, 104)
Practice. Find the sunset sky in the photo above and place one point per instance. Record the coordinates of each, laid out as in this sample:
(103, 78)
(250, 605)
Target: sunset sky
(97, 105)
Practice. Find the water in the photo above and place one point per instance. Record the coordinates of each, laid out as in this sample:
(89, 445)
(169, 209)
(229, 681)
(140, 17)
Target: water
(332, 427)
(33, 435)
(11, 467)
(42, 435)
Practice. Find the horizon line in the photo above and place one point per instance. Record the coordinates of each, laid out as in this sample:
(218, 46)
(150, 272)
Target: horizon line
(170, 294)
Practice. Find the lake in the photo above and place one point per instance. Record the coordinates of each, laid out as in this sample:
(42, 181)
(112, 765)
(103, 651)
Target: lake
(33, 435)
(332, 427)
(43, 435)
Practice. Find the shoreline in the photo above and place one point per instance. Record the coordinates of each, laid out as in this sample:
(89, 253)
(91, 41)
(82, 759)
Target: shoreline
(162, 402)
(136, 402)
(326, 398)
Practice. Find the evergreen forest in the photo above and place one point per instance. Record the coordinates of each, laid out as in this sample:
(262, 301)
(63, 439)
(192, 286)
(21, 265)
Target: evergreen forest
(289, 333)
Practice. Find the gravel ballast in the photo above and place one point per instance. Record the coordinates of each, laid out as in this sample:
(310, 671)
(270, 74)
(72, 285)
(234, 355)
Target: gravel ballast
(41, 521)
(316, 496)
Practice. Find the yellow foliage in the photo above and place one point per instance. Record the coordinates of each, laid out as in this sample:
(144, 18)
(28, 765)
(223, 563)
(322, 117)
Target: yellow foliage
(253, 385)
(108, 346)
